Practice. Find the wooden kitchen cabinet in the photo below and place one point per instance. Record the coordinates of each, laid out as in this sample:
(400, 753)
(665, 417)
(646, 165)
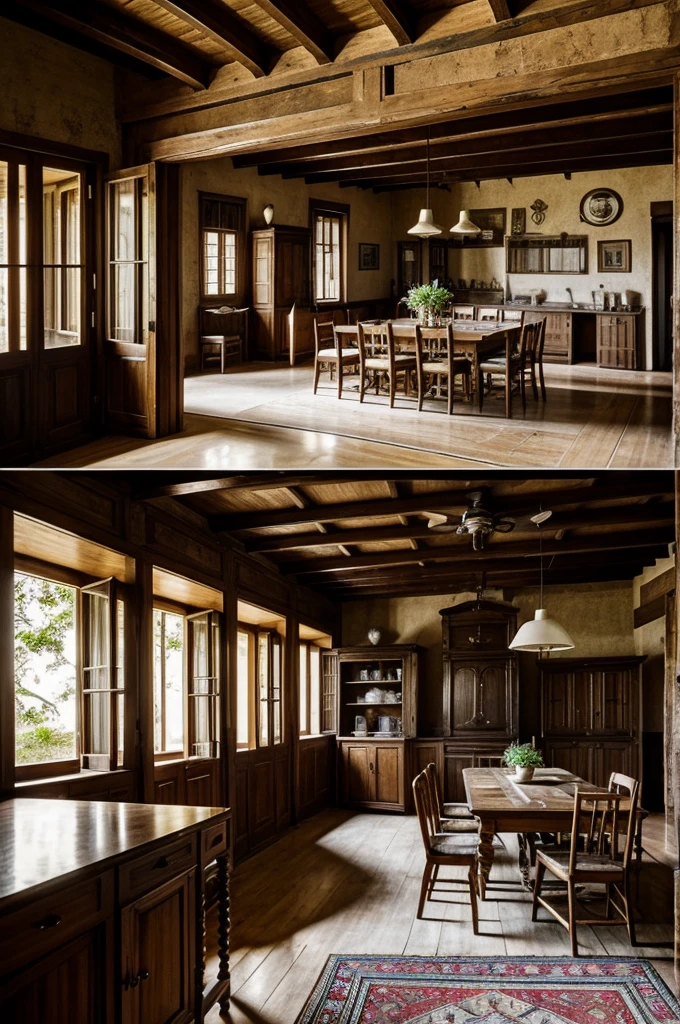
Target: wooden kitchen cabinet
(617, 341)
(558, 334)
(373, 774)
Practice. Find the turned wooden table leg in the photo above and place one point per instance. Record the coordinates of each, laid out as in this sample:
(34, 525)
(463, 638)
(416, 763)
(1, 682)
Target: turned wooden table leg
(485, 858)
(525, 858)
(223, 928)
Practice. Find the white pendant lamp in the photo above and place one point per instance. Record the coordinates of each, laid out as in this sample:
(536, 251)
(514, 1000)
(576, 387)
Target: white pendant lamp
(465, 225)
(426, 226)
(541, 633)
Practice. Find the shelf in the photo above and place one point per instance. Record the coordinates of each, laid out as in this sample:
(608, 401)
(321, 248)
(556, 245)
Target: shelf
(373, 703)
(362, 682)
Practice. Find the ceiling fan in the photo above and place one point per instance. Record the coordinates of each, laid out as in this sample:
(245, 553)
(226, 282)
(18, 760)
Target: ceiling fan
(478, 521)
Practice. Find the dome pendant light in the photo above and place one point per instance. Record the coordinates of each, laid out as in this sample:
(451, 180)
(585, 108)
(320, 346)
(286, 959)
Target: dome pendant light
(541, 633)
(426, 225)
(465, 225)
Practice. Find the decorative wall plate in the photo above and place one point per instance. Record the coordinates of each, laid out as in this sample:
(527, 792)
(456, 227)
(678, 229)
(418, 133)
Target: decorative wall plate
(601, 206)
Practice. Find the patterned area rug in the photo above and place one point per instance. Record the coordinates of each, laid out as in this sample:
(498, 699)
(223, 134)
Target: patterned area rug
(497, 990)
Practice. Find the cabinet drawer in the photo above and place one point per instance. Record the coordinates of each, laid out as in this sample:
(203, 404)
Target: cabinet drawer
(50, 921)
(145, 873)
(213, 843)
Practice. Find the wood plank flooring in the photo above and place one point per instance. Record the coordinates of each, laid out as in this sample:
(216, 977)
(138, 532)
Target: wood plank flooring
(264, 416)
(349, 883)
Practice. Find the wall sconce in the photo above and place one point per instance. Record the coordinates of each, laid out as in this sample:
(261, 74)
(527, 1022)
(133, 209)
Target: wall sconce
(268, 213)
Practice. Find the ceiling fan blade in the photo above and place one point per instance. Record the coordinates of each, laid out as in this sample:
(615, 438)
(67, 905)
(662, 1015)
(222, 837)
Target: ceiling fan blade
(436, 519)
(504, 525)
(531, 519)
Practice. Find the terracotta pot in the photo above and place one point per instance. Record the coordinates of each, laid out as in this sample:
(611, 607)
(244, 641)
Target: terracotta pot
(524, 773)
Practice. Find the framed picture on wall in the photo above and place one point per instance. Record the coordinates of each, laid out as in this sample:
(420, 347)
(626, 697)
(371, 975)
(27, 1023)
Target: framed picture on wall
(614, 257)
(492, 230)
(369, 256)
(519, 221)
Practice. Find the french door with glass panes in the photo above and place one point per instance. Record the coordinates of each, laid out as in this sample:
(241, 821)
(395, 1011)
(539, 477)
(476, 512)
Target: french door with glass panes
(47, 302)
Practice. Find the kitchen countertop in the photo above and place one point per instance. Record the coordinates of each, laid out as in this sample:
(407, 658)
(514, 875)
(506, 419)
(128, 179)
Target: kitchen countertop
(566, 307)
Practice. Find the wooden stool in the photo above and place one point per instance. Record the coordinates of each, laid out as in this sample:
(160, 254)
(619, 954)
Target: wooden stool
(226, 345)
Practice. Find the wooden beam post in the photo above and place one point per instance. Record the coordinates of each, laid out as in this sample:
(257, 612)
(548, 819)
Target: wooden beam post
(219, 24)
(672, 709)
(145, 707)
(398, 19)
(301, 23)
(7, 715)
(500, 10)
(676, 273)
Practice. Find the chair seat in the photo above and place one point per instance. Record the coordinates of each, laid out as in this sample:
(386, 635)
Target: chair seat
(383, 363)
(219, 339)
(498, 365)
(459, 825)
(332, 353)
(557, 861)
(455, 846)
(457, 811)
(441, 366)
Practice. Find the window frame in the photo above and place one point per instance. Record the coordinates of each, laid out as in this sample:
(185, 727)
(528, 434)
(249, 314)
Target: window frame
(236, 297)
(309, 646)
(275, 642)
(323, 208)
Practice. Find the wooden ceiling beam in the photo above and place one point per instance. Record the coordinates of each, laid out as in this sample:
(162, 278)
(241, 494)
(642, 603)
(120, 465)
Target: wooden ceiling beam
(661, 514)
(176, 485)
(652, 484)
(500, 10)
(480, 145)
(301, 23)
(545, 153)
(110, 27)
(506, 549)
(218, 23)
(572, 165)
(398, 18)
(549, 116)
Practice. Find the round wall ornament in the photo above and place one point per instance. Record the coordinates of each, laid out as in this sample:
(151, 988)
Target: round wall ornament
(601, 206)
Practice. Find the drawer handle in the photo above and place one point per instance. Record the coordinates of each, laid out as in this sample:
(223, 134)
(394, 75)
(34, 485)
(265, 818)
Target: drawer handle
(217, 840)
(51, 921)
(143, 975)
(162, 862)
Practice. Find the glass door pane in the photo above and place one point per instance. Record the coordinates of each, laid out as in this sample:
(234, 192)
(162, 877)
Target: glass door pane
(126, 263)
(12, 257)
(63, 267)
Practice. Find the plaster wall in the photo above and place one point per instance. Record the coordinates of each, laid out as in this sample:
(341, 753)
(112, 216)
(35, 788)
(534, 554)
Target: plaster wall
(53, 91)
(637, 186)
(598, 617)
(370, 220)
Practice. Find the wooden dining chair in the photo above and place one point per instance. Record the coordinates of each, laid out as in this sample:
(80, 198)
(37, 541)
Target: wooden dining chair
(463, 312)
(537, 361)
(497, 365)
(443, 850)
(460, 822)
(488, 313)
(436, 356)
(600, 818)
(513, 316)
(377, 352)
(327, 354)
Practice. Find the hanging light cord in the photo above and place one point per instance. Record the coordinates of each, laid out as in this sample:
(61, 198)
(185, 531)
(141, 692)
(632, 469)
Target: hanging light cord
(540, 550)
(427, 151)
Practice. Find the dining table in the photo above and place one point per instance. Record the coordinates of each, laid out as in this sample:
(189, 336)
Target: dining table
(502, 804)
(475, 339)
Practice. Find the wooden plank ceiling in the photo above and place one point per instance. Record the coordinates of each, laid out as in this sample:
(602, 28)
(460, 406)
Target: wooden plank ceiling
(194, 41)
(359, 535)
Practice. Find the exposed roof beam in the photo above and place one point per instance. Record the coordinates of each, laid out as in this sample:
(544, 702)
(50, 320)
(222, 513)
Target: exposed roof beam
(500, 10)
(573, 164)
(218, 23)
(398, 18)
(178, 484)
(649, 483)
(534, 137)
(622, 515)
(303, 25)
(603, 108)
(458, 552)
(108, 25)
(544, 151)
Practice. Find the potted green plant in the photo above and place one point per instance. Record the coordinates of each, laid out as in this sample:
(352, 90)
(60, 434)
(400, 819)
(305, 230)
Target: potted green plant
(429, 300)
(524, 758)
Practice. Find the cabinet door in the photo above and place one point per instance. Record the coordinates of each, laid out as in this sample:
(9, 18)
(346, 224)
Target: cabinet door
(612, 705)
(574, 757)
(557, 705)
(389, 774)
(358, 773)
(158, 954)
(616, 342)
(454, 787)
(613, 757)
(481, 696)
(74, 985)
(558, 338)
(263, 271)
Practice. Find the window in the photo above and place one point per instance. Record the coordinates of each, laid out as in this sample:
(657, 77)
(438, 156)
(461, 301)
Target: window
(186, 683)
(62, 264)
(12, 256)
(329, 251)
(222, 227)
(310, 689)
(260, 672)
(69, 681)
(126, 211)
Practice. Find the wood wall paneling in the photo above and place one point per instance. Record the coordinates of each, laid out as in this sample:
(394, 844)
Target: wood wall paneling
(16, 423)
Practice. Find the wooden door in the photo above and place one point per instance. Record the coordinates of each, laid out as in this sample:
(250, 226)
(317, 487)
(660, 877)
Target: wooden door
(158, 954)
(130, 343)
(74, 984)
(388, 760)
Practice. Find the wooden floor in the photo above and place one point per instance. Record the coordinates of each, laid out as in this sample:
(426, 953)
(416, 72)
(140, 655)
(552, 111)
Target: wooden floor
(349, 883)
(264, 416)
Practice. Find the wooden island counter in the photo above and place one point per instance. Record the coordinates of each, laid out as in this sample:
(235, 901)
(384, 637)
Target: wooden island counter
(102, 912)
